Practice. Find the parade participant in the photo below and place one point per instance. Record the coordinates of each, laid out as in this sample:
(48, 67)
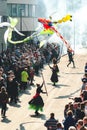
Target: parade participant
(54, 60)
(4, 101)
(54, 76)
(70, 56)
(36, 102)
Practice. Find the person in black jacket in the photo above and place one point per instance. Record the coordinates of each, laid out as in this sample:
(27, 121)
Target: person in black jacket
(69, 121)
(51, 123)
(12, 88)
(70, 56)
(4, 101)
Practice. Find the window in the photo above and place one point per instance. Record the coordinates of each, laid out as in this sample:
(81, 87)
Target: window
(24, 10)
(9, 10)
(20, 10)
(14, 10)
(31, 10)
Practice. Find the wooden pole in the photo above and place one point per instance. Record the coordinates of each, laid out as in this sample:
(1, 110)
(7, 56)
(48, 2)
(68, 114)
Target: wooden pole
(44, 83)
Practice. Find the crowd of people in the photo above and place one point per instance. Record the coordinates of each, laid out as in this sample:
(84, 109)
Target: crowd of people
(19, 65)
(75, 112)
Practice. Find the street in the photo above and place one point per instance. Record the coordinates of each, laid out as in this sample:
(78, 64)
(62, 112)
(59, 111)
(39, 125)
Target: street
(19, 117)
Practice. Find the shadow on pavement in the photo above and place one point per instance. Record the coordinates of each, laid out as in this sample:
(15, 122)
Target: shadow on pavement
(42, 116)
(5, 120)
(22, 124)
(68, 96)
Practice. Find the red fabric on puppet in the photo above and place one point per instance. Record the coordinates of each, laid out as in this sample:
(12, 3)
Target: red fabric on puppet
(46, 22)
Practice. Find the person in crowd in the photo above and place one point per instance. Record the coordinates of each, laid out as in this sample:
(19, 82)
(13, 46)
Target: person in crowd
(51, 123)
(24, 78)
(85, 121)
(36, 67)
(54, 76)
(71, 107)
(37, 102)
(31, 75)
(12, 88)
(70, 56)
(84, 93)
(85, 68)
(59, 126)
(66, 110)
(79, 111)
(79, 124)
(83, 128)
(2, 80)
(84, 82)
(4, 101)
(69, 120)
(72, 128)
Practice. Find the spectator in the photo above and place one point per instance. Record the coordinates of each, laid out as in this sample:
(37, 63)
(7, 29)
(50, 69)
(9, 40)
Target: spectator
(69, 121)
(83, 128)
(12, 88)
(79, 124)
(84, 82)
(84, 93)
(51, 123)
(66, 110)
(24, 78)
(85, 121)
(31, 76)
(59, 126)
(4, 101)
(85, 68)
(2, 80)
(72, 128)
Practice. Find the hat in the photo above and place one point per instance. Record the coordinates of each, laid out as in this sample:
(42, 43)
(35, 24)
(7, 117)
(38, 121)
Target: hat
(38, 85)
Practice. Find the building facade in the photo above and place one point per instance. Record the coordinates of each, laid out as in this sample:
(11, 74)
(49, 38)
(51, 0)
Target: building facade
(25, 11)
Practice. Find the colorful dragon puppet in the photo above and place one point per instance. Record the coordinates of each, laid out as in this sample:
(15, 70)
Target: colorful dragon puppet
(48, 25)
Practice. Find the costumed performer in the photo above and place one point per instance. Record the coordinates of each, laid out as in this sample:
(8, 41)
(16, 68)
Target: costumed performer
(37, 103)
(70, 56)
(54, 76)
